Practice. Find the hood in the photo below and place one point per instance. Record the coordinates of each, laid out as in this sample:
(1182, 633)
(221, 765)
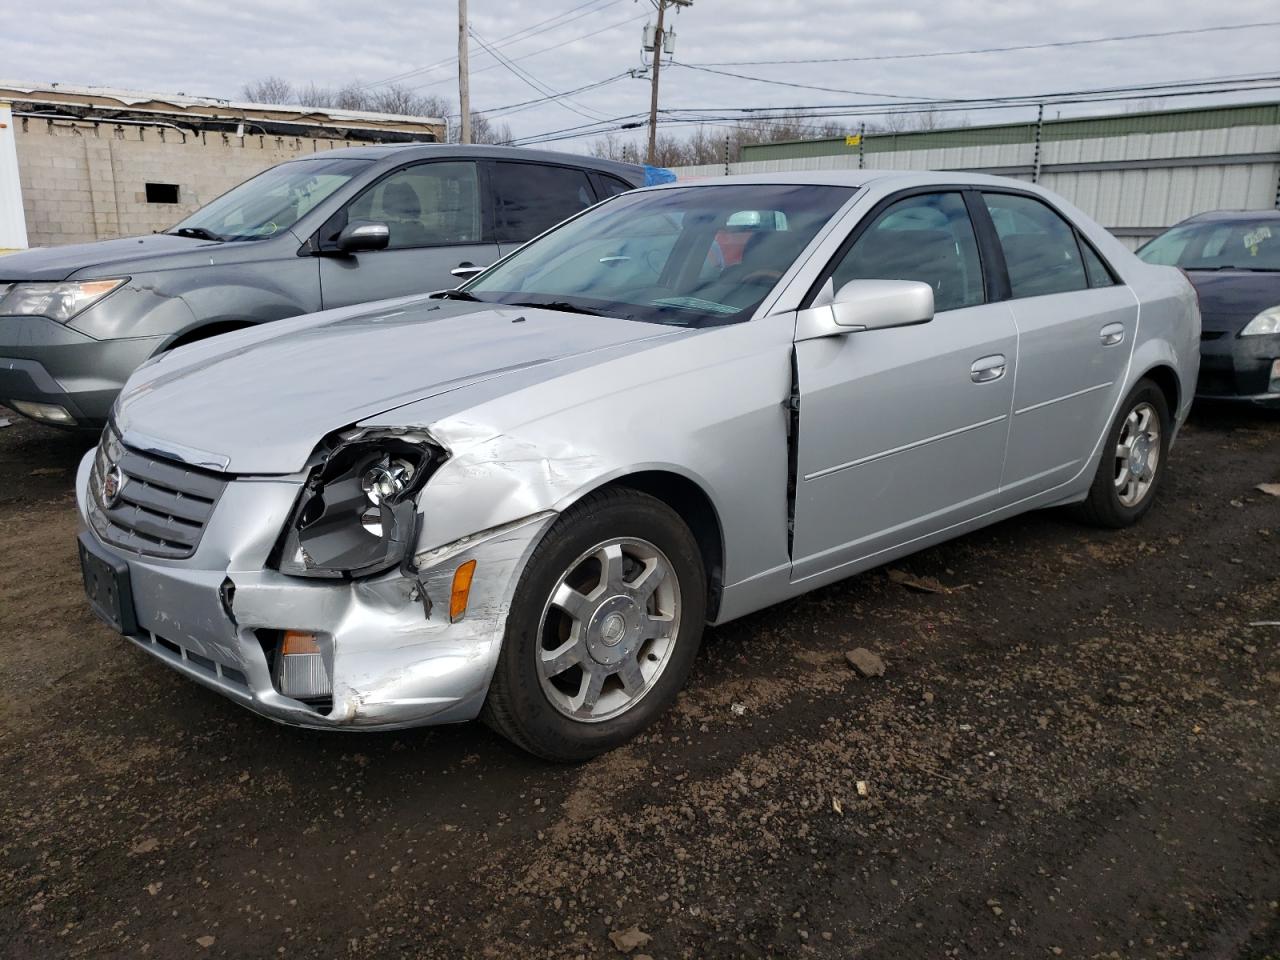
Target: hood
(113, 256)
(1231, 298)
(259, 401)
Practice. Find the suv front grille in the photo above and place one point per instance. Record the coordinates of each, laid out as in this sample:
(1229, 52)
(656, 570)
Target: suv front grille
(159, 508)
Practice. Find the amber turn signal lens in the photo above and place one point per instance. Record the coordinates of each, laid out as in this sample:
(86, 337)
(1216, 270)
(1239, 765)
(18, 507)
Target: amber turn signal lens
(461, 590)
(296, 642)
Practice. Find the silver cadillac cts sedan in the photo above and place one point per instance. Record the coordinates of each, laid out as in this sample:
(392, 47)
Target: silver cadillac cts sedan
(524, 498)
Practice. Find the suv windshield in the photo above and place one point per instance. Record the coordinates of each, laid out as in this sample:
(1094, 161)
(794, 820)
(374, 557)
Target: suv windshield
(1218, 245)
(272, 201)
(687, 256)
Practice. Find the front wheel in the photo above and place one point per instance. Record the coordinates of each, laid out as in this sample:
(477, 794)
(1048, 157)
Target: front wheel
(603, 628)
(1133, 459)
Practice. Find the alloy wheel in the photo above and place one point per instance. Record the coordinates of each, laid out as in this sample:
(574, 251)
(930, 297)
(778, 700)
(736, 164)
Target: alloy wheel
(1137, 454)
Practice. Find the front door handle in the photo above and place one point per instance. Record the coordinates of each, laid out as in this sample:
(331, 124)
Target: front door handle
(988, 368)
(1111, 334)
(466, 269)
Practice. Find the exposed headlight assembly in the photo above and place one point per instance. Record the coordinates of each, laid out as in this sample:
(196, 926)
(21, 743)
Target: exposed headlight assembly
(1268, 321)
(357, 515)
(57, 301)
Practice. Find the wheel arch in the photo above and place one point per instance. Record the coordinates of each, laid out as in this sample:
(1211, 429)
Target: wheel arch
(204, 331)
(695, 507)
(1166, 378)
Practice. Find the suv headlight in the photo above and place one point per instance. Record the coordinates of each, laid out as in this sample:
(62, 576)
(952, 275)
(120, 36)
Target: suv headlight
(1268, 321)
(357, 515)
(57, 301)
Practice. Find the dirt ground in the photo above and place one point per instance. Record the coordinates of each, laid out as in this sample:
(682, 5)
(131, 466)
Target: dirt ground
(1075, 752)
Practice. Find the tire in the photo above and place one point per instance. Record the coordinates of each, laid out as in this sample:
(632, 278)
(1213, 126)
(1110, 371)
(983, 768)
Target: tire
(1119, 495)
(574, 630)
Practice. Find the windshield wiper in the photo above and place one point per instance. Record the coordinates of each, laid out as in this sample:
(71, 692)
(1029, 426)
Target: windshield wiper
(456, 295)
(197, 233)
(1234, 266)
(564, 306)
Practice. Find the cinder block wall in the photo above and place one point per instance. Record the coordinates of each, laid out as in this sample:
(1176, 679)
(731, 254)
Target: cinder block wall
(84, 181)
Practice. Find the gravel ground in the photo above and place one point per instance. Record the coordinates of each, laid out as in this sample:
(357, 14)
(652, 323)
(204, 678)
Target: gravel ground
(1074, 752)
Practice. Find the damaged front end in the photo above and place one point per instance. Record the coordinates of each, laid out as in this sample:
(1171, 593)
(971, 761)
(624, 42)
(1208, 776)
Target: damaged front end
(309, 600)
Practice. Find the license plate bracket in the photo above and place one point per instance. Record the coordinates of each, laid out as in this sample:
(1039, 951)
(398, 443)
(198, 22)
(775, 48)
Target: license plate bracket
(106, 584)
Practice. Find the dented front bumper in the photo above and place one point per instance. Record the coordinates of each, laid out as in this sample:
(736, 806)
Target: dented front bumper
(394, 656)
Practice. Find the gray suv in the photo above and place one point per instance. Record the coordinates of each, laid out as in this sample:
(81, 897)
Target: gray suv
(342, 227)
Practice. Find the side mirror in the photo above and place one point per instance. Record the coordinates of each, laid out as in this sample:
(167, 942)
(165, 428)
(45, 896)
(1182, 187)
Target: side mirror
(868, 305)
(363, 235)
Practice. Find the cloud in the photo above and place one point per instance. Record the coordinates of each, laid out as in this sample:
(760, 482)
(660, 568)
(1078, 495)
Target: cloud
(213, 49)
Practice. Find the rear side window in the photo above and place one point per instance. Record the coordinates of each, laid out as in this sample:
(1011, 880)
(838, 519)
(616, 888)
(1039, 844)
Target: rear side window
(607, 186)
(529, 198)
(928, 238)
(1040, 248)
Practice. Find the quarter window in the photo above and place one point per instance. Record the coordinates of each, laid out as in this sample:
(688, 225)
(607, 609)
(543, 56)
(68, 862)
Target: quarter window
(928, 238)
(1040, 248)
(530, 198)
(1099, 275)
(430, 204)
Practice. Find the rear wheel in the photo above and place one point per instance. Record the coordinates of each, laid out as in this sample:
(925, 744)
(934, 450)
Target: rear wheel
(1133, 459)
(603, 629)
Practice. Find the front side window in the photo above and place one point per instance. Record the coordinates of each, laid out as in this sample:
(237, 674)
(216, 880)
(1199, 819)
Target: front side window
(927, 238)
(686, 256)
(529, 198)
(1040, 248)
(1242, 244)
(273, 201)
(429, 204)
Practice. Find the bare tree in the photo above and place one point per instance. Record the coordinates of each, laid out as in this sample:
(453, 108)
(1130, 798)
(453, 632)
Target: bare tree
(268, 90)
(484, 130)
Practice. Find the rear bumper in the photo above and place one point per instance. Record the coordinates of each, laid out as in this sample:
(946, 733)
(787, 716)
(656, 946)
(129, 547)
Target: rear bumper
(1239, 368)
(46, 362)
(393, 655)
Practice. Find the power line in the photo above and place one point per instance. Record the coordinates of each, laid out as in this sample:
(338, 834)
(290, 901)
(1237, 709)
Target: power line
(508, 40)
(1022, 46)
(538, 52)
(789, 83)
(534, 82)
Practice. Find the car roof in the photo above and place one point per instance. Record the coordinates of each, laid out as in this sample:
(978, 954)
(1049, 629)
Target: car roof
(857, 178)
(393, 154)
(1228, 215)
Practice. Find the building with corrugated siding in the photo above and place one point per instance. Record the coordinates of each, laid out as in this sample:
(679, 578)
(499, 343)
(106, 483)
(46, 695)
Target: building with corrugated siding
(1135, 173)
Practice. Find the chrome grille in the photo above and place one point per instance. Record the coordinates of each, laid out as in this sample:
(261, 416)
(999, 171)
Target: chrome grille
(161, 506)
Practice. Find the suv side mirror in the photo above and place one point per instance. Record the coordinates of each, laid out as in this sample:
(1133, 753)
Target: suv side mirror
(867, 305)
(363, 235)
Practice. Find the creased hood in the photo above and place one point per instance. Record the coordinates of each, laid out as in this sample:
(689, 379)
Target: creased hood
(117, 256)
(259, 401)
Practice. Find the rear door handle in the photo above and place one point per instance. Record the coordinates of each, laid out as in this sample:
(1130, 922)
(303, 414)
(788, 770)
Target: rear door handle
(988, 369)
(1111, 334)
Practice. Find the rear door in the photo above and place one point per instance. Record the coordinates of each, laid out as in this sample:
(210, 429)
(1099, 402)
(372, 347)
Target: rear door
(529, 198)
(902, 431)
(436, 220)
(1076, 328)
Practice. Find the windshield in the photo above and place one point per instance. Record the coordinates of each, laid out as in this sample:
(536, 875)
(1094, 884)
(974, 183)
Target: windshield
(1218, 245)
(272, 201)
(688, 256)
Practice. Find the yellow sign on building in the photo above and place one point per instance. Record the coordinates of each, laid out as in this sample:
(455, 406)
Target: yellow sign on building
(853, 139)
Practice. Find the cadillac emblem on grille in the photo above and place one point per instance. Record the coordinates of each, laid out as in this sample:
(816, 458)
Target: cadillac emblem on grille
(112, 484)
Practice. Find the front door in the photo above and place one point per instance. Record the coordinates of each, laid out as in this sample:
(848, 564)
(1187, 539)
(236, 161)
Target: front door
(1076, 328)
(433, 211)
(902, 431)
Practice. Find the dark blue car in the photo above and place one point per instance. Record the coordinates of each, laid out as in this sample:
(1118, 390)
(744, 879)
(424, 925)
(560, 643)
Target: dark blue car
(1233, 259)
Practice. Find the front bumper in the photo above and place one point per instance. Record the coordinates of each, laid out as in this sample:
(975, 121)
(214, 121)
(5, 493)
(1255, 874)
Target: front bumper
(393, 656)
(1239, 368)
(42, 361)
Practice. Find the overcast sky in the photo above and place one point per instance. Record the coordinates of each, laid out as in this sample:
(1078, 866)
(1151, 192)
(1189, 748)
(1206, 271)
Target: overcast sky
(212, 49)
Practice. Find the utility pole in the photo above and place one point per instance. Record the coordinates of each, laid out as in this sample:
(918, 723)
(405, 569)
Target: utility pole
(659, 36)
(464, 79)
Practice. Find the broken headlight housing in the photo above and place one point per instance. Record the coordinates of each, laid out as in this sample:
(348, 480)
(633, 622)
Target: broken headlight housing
(356, 515)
